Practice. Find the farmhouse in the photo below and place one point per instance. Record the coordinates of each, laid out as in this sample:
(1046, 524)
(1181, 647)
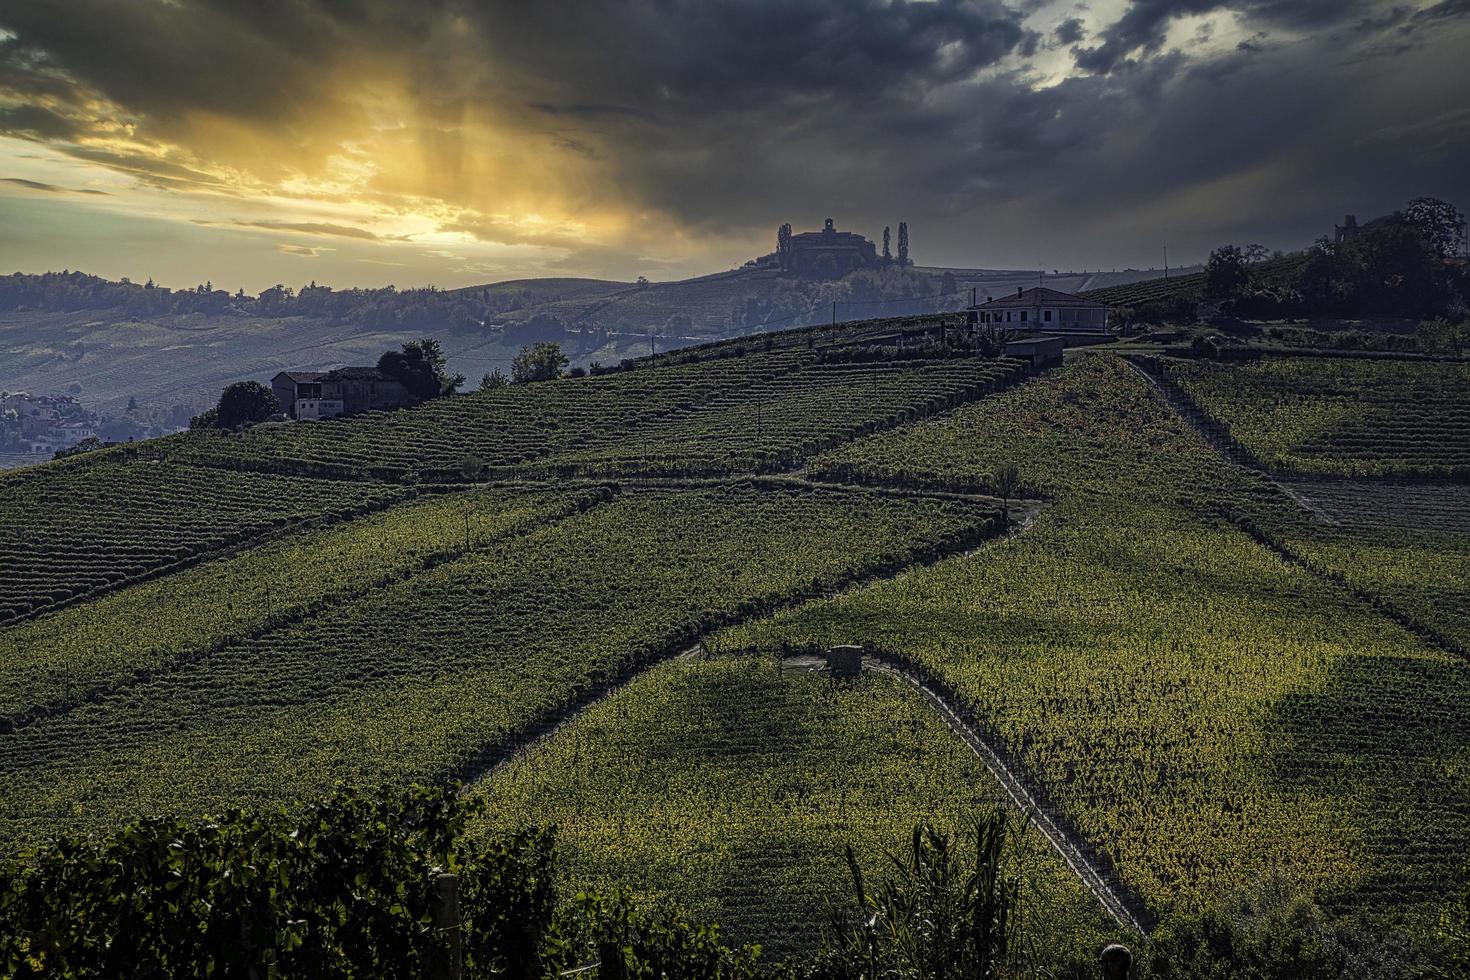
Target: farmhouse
(343, 391)
(1039, 308)
(829, 253)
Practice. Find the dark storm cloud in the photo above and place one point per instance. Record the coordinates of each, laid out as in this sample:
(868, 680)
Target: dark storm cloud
(726, 117)
(1069, 31)
(1144, 25)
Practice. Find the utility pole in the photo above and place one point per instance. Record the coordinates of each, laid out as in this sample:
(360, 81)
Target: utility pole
(1166, 261)
(834, 313)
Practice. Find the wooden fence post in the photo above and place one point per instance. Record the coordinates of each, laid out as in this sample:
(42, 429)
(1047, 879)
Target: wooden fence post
(449, 950)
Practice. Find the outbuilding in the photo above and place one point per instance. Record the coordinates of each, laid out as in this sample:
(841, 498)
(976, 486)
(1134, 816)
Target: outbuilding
(1040, 351)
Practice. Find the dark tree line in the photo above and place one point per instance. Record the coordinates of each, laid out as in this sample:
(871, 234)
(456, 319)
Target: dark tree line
(1403, 265)
(428, 308)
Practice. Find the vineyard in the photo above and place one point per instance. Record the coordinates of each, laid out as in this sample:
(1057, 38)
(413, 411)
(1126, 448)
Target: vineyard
(432, 672)
(1275, 274)
(727, 785)
(69, 530)
(52, 662)
(730, 415)
(1161, 672)
(1149, 290)
(1212, 679)
(1341, 417)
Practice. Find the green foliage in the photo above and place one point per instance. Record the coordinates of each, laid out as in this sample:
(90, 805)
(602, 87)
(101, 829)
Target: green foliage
(1273, 933)
(1225, 272)
(1440, 222)
(63, 659)
(438, 670)
(538, 362)
(245, 403)
(342, 887)
(1006, 479)
(421, 368)
(631, 940)
(938, 914)
(1340, 417)
(758, 412)
(1133, 646)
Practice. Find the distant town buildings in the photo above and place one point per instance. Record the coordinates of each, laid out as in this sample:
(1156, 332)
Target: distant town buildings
(343, 391)
(43, 423)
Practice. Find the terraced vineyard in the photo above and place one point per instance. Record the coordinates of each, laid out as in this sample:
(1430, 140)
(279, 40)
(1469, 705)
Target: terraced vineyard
(1210, 684)
(427, 675)
(731, 786)
(756, 412)
(69, 530)
(52, 663)
(1166, 677)
(1148, 290)
(1277, 273)
(1340, 417)
(775, 424)
(1422, 574)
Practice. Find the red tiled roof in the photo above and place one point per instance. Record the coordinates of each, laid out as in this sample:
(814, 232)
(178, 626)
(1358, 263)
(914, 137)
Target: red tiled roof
(1040, 296)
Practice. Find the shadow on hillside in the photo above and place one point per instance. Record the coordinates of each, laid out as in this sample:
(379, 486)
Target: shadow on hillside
(1388, 740)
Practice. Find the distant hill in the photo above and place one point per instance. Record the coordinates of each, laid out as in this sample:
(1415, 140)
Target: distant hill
(173, 351)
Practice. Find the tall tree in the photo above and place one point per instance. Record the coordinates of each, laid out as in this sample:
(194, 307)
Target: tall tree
(783, 247)
(245, 403)
(887, 255)
(903, 244)
(1441, 224)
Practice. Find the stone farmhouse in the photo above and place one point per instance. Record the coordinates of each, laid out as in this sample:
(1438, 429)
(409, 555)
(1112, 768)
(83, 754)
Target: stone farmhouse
(343, 391)
(1042, 309)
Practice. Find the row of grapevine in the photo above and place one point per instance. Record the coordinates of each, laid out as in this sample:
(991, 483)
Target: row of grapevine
(1340, 416)
(66, 531)
(425, 676)
(775, 424)
(732, 786)
(53, 662)
(500, 427)
(722, 416)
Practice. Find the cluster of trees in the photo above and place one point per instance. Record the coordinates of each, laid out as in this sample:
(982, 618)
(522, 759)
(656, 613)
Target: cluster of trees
(420, 366)
(422, 369)
(1403, 265)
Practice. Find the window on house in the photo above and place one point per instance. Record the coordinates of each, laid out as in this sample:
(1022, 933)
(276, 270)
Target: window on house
(1023, 316)
(1047, 316)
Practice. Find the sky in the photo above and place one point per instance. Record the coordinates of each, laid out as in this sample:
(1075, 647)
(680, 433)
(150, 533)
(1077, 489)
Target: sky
(453, 142)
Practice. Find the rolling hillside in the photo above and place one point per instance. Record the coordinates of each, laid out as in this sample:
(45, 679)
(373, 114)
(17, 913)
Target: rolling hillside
(174, 365)
(1190, 674)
